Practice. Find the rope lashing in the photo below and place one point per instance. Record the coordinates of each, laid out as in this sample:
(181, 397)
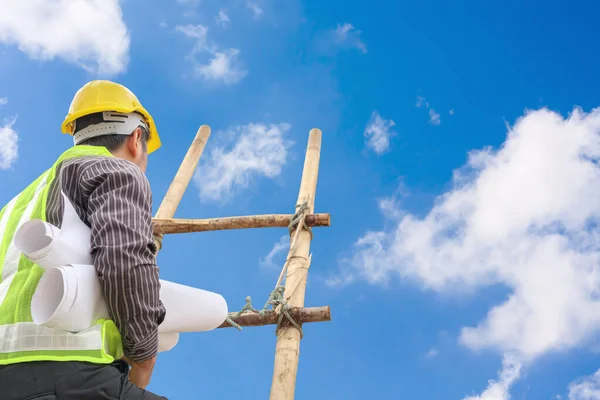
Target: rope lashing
(247, 307)
(299, 218)
(158, 240)
(276, 298)
(302, 210)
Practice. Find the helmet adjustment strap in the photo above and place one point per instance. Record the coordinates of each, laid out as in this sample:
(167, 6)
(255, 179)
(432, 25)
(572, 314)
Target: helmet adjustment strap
(113, 123)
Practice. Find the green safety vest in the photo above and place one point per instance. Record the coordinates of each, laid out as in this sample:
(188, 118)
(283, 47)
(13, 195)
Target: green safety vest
(21, 340)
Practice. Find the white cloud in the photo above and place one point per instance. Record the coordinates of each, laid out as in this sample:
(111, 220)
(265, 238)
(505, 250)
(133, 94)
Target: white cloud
(422, 101)
(347, 35)
(586, 388)
(223, 65)
(222, 18)
(451, 112)
(87, 33)
(378, 133)
(434, 117)
(8, 144)
(390, 207)
(499, 389)
(526, 217)
(432, 353)
(259, 150)
(281, 247)
(255, 8)
(198, 32)
(3, 101)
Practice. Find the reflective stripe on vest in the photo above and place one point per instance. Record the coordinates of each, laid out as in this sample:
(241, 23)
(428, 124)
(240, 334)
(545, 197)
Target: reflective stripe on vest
(21, 340)
(11, 258)
(27, 336)
(5, 282)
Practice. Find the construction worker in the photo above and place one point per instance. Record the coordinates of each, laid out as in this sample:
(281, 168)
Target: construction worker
(103, 175)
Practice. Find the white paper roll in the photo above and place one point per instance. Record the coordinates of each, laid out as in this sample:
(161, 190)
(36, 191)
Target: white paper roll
(166, 341)
(81, 302)
(48, 246)
(50, 299)
(55, 303)
(69, 297)
(190, 309)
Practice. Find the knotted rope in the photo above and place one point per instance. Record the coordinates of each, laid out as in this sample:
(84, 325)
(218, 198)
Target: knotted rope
(276, 298)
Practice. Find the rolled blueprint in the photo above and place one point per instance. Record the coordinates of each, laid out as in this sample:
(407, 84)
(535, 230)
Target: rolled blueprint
(54, 303)
(190, 309)
(69, 298)
(48, 246)
(166, 341)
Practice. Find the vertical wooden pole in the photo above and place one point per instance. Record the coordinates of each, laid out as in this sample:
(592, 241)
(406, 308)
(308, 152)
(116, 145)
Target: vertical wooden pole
(182, 178)
(287, 349)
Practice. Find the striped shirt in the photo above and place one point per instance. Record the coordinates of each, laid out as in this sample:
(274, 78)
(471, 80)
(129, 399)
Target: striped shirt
(113, 197)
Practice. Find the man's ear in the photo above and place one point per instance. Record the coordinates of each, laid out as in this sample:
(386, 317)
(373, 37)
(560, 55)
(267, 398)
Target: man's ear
(133, 141)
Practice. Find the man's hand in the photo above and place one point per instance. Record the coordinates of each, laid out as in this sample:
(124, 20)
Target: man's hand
(141, 373)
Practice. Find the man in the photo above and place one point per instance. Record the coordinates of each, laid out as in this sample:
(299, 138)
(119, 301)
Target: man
(103, 176)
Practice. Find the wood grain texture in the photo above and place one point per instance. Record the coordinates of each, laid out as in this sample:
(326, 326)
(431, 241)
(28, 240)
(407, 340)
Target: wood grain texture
(164, 226)
(182, 178)
(299, 314)
(287, 349)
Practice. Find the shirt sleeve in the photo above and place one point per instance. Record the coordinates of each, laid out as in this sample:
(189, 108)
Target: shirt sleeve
(124, 252)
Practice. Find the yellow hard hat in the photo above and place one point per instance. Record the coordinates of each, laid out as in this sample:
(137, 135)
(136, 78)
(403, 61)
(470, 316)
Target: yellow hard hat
(103, 95)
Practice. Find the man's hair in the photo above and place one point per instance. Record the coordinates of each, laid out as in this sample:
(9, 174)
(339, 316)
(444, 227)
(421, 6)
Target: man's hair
(111, 142)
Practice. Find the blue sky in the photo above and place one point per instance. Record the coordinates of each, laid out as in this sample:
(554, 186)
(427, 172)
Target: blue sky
(459, 166)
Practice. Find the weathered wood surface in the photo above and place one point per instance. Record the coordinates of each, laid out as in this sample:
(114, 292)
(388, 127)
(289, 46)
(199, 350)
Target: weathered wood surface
(299, 314)
(164, 226)
(287, 349)
(182, 178)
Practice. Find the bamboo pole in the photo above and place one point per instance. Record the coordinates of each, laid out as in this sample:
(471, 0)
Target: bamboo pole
(164, 226)
(287, 349)
(182, 178)
(299, 314)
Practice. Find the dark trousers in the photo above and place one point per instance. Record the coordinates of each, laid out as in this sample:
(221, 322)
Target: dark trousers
(48, 380)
